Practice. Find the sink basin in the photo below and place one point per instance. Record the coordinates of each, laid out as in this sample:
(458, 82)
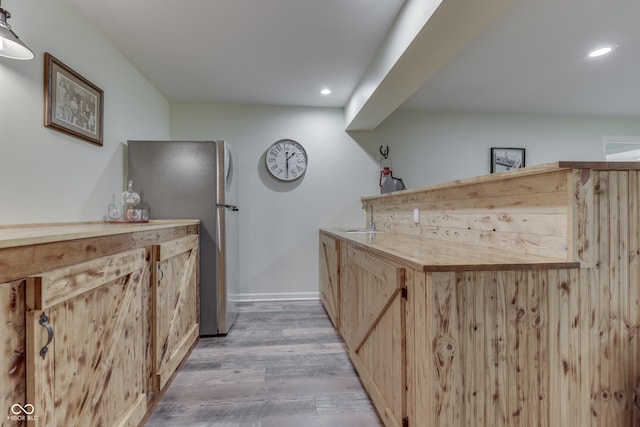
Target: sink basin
(360, 230)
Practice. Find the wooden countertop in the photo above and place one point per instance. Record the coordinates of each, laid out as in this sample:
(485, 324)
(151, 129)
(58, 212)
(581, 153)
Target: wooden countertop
(438, 255)
(32, 234)
(529, 170)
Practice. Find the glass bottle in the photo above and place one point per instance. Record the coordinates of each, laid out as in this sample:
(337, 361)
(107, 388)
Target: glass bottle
(129, 200)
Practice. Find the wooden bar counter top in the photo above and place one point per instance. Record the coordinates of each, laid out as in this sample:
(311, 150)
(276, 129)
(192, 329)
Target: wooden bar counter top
(31, 234)
(33, 248)
(439, 255)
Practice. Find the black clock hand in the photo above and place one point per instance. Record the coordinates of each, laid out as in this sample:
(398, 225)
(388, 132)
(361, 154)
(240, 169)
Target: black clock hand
(286, 164)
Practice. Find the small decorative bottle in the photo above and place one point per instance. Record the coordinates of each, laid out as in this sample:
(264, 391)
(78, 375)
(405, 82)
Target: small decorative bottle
(129, 200)
(113, 212)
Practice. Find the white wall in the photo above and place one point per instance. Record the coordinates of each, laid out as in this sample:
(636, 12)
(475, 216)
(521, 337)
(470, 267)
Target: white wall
(434, 147)
(279, 221)
(47, 176)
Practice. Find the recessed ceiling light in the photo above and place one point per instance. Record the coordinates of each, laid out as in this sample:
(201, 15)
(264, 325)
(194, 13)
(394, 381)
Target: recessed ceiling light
(601, 51)
(325, 91)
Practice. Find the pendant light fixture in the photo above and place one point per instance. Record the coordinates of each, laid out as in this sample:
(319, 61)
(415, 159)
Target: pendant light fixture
(10, 45)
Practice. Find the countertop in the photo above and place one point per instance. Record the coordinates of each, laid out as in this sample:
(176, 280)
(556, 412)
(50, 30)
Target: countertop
(32, 234)
(514, 173)
(439, 255)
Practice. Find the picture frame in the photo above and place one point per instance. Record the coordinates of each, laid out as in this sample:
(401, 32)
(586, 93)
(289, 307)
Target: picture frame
(507, 158)
(72, 104)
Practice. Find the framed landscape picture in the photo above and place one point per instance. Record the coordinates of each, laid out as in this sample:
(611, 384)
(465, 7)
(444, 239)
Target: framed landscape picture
(72, 104)
(504, 159)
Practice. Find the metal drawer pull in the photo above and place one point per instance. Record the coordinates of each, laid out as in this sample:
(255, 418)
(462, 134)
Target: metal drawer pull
(44, 321)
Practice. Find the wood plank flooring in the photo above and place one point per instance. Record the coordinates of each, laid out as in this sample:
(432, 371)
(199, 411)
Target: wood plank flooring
(281, 365)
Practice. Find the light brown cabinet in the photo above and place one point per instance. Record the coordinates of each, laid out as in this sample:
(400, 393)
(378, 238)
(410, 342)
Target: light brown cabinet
(373, 327)
(523, 299)
(174, 305)
(85, 352)
(99, 324)
(330, 276)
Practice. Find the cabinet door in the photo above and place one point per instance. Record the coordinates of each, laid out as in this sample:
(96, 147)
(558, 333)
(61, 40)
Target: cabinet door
(330, 277)
(85, 343)
(373, 326)
(175, 304)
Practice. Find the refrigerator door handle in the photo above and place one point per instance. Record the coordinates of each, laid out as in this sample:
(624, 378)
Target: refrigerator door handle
(233, 208)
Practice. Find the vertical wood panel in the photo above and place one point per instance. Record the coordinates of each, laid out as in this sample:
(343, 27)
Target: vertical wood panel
(566, 361)
(464, 345)
(413, 285)
(582, 238)
(601, 351)
(585, 279)
(501, 340)
(477, 412)
(622, 396)
(633, 321)
(492, 394)
(12, 362)
(536, 320)
(612, 366)
(420, 378)
(516, 293)
(447, 379)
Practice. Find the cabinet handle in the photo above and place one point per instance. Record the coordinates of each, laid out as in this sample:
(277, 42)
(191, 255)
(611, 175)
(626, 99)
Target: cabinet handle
(44, 321)
(160, 272)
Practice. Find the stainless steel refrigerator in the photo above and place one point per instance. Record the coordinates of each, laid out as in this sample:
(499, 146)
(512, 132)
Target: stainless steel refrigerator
(196, 180)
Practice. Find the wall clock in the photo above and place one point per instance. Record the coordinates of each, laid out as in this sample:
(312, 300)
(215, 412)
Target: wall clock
(286, 160)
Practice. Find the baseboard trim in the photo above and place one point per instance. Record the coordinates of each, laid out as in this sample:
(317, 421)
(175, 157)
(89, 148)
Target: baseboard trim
(289, 296)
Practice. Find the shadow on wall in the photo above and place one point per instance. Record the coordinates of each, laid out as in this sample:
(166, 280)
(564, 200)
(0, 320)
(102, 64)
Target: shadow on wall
(105, 187)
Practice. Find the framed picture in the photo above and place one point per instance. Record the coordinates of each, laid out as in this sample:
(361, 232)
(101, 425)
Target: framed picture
(72, 104)
(504, 159)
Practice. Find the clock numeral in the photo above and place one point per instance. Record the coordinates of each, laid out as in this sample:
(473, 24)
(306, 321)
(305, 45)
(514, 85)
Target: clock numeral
(271, 159)
(301, 160)
(274, 167)
(299, 168)
(294, 173)
(276, 150)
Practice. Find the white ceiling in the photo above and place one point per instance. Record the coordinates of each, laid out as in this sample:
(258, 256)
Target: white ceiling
(531, 58)
(278, 52)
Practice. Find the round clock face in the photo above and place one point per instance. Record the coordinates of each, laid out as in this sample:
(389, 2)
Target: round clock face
(286, 160)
